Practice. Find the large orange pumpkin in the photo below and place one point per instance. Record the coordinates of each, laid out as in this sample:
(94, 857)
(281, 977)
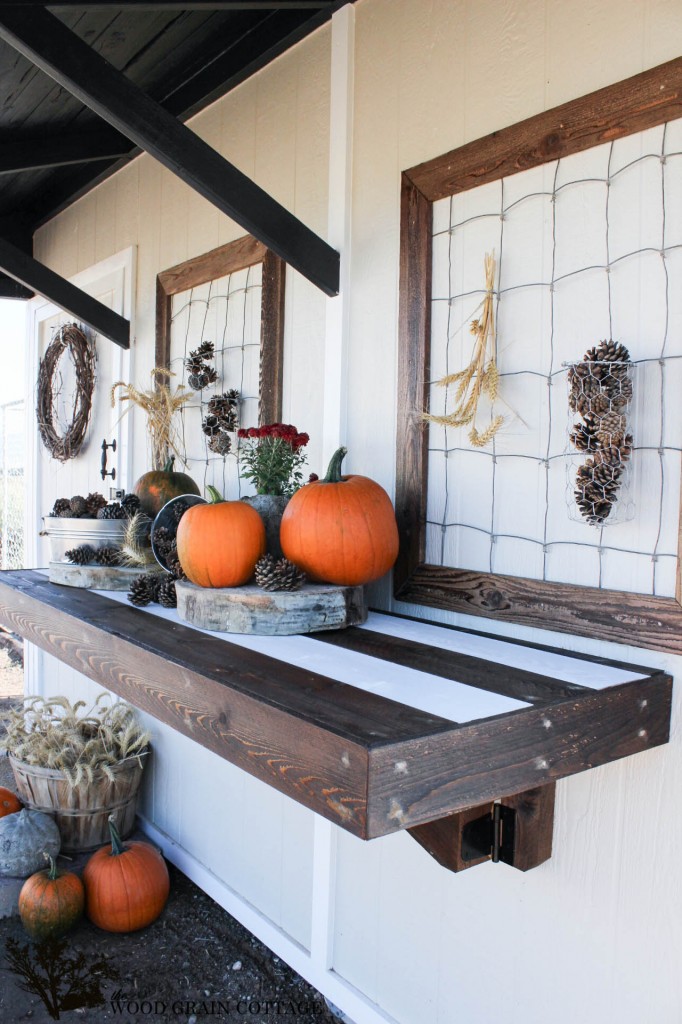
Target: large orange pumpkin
(341, 529)
(158, 486)
(9, 802)
(51, 902)
(126, 885)
(220, 543)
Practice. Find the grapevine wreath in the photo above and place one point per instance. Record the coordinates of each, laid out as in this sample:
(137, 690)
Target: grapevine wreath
(82, 352)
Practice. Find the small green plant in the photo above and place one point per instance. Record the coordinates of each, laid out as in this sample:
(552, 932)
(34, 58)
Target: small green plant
(53, 733)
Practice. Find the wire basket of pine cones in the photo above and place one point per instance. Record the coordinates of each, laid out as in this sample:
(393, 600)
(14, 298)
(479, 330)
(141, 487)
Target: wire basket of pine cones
(600, 438)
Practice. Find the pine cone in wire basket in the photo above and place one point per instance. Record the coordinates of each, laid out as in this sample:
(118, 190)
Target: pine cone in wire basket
(202, 378)
(607, 352)
(205, 350)
(220, 443)
(274, 574)
(611, 430)
(82, 555)
(144, 588)
(584, 435)
(224, 408)
(210, 425)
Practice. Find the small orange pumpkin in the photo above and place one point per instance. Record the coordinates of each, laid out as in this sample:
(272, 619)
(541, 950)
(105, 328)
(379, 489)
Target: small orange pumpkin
(341, 529)
(9, 802)
(158, 486)
(126, 886)
(220, 543)
(51, 902)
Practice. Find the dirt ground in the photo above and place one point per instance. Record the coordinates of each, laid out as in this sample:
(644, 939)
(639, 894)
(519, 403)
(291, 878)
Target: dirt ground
(194, 963)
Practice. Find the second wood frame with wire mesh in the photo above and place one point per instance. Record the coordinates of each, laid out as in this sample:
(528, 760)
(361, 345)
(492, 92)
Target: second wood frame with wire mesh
(645, 619)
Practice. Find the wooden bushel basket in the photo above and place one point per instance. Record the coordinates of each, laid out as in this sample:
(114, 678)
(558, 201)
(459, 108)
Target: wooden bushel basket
(82, 812)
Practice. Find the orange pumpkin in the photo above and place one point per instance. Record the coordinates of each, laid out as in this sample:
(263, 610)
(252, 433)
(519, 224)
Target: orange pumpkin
(126, 886)
(341, 529)
(9, 802)
(220, 543)
(158, 486)
(51, 902)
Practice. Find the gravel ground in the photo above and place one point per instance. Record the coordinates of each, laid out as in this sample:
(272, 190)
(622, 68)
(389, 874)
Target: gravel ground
(194, 963)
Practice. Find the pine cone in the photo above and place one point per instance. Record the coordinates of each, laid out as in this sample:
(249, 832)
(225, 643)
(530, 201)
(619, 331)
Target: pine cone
(611, 429)
(82, 555)
(166, 595)
(205, 350)
(113, 511)
(220, 444)
(273, 574)
(131, 504)
(607, 352)
(94, 502)
(202, 378)
(210, 425)
(584, 435)
(178, 510)
(60, 506)
(108, 556)
(194, 363)
(224, 408)
(144, 588)
(78, 506)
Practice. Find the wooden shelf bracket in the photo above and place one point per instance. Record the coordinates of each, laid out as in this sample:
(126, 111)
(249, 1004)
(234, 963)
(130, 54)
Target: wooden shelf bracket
(516, 830)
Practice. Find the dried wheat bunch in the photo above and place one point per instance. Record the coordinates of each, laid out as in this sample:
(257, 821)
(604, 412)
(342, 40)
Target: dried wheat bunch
(53, 733)
(160, 405)
(479, 377)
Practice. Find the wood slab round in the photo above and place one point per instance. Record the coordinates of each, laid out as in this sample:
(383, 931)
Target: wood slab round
(250, 609)
(93, 577)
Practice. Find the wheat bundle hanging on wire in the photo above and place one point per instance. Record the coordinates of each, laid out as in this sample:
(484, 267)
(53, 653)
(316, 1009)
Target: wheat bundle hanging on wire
(160, 405)
(479, 377)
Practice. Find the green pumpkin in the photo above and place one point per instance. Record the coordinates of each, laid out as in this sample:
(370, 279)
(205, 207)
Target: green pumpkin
(25, 838)
(158, 486)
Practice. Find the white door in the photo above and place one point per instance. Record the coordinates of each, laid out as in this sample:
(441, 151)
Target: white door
(112, 283)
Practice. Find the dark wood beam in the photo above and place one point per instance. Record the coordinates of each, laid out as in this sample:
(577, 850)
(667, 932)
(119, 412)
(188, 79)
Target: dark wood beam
(31, 154)
(182, 5)
(28, 272)
(43, 39)
(11, 289)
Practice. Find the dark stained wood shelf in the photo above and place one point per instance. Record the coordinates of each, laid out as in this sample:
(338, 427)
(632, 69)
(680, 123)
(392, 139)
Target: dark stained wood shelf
(394, 725)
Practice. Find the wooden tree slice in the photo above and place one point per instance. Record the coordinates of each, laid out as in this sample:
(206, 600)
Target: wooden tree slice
(94, 577)
(250, 609)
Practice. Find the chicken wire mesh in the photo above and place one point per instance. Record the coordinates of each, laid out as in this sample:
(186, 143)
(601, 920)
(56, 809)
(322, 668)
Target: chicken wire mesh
(12, 493)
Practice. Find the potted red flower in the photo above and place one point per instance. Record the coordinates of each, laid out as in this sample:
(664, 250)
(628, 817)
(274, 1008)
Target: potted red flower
(271, 458)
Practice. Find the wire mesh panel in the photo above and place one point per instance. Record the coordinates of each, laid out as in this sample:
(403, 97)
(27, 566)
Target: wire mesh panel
(588, 248)
(227, 313)
(12, 484)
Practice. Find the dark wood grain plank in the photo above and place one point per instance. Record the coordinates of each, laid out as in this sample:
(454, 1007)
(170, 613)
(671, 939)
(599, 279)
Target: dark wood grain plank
(418, 782)
(413, 359)
(271, 369)
(29, 604)
(225, 259)
(443, 838)
(618, 616)
(648, 99)
(463, 668)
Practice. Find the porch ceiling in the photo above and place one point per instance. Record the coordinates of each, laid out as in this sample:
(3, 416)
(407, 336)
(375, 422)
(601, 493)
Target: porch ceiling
(184, 55)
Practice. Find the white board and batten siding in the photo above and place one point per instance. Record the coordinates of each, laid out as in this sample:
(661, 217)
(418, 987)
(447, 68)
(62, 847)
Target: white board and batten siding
(595, 933)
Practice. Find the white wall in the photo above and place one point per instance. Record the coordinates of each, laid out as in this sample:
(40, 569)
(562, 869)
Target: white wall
(596, 933)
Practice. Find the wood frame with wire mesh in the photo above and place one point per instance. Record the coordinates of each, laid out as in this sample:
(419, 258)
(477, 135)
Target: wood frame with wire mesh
(638, 103)
(227, 259)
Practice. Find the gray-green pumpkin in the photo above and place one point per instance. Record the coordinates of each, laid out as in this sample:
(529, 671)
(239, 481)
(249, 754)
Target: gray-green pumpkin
(25, 837)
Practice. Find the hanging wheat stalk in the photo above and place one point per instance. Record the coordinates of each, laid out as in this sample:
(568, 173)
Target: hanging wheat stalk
(480, 377)
(160, 405)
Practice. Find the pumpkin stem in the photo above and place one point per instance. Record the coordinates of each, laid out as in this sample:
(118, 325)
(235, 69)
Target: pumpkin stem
(117, 846)
(52, 873)
(334, 472)
(214, 494)
(168, 464)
